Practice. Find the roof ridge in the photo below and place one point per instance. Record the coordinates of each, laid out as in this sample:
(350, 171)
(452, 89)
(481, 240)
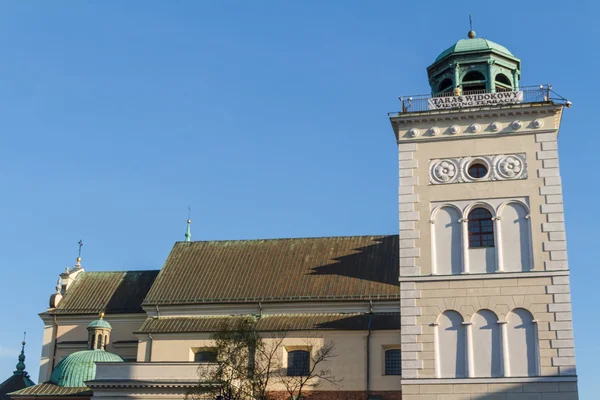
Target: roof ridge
(121, 271)
(287, 238)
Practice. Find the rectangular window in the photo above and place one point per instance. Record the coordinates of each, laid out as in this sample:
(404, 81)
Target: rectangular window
(298, 363)
(205, 356)
(393, 363)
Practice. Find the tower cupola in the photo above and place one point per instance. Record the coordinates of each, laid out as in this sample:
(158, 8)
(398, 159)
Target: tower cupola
(98, 333)
(474, 65)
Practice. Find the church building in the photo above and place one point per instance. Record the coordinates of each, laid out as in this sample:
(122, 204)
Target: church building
(470, 300)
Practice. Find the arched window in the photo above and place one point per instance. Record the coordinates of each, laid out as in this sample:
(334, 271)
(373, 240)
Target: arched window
(473, 76)
(100, 345)
(522, 354)
(515, 237)
(445, 86)
(487, 356)
(393, 363)
(481, 253)
(481, 228)
(502, 83)
(450, 348)
(298, 363)
(474, 81)
(447, 242)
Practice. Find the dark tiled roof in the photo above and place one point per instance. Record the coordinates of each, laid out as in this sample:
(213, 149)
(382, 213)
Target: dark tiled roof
(111, 292)
(289, 322)
(333, 268)
(19, 380)
(50, 389)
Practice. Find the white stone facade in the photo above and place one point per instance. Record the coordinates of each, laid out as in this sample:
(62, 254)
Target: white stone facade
(483, 320)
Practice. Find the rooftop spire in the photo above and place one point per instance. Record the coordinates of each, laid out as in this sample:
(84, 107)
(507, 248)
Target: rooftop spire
(80, 243)
(21, 364)
(188, 232)
(471, 33)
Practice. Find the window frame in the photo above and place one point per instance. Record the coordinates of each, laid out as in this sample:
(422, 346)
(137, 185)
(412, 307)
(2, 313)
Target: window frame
(479, 165)
(385, 361)
(483, 232)
(297, 370)
(205, 350)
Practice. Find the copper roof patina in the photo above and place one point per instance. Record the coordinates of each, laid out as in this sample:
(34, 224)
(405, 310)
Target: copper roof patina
(239, 271)
(274, 323)
(110, 292)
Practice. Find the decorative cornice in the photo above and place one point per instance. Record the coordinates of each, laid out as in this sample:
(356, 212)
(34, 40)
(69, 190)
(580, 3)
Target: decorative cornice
(495, 275)
(466, 381)
(472, 114)
(133, 383)
(425, 139)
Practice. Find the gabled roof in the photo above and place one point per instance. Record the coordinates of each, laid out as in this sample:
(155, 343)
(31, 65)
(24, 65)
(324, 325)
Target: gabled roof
(273, 323)
(110, 292)
(306, 269)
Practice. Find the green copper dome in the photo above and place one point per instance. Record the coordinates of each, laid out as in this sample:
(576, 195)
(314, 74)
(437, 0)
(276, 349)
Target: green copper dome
(471, 45)
(99, 323)
(79, 367)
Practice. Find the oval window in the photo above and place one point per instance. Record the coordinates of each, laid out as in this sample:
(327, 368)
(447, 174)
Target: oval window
(477, 170)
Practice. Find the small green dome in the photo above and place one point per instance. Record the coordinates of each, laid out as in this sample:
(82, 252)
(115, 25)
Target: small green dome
(472, 45)
(99, 323)
(79, 367)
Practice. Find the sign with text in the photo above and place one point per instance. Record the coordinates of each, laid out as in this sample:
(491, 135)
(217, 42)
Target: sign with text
(474, 100)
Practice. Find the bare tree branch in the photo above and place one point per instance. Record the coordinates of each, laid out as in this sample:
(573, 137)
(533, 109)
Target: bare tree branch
(296, 386)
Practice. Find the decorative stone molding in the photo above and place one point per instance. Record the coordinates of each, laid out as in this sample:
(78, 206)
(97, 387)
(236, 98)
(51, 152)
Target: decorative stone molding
(414, 132)
(445, 171)
(434, 131)
(475, 128)
(538, 123)
(495, 126)
(516, 125)
(500, 167)
(510, 167)
(454, 129)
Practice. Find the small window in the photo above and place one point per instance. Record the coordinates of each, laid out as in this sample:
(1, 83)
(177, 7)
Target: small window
(298, 363)
(477, 170)
(393, 363)
(205, 356)
(481, 228)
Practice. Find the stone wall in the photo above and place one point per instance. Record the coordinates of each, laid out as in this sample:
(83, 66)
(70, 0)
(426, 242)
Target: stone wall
(547, 298)
(342, 395)
(492, 391)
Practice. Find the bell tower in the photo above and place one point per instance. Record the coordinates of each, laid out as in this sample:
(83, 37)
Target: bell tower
(484, 276)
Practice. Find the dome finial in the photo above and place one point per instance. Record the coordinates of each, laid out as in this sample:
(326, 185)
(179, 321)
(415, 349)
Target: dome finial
(471, 33)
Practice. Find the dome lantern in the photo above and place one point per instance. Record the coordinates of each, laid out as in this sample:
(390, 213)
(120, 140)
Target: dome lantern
(98, 333)
(474, 65)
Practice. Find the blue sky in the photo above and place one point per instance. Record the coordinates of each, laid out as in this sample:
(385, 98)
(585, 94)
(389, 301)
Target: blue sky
(268, 117)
